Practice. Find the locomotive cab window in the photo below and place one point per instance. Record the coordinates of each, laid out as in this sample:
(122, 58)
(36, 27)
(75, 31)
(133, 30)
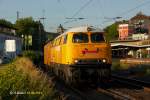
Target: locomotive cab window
(80, 38)
(97, 37)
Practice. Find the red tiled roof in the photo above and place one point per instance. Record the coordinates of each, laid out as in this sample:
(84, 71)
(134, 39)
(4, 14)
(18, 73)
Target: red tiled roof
(140, 16)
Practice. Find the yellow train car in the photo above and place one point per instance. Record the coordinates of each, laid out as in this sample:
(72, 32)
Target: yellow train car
(47, 52)
(80, 53)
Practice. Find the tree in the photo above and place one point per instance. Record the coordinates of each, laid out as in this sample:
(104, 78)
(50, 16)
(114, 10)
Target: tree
(27, 27)
(111, 32)
(23, 25)
(39, 36)
(6, 23)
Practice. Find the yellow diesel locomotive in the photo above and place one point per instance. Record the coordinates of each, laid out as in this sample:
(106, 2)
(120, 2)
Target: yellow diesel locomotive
(78, 54)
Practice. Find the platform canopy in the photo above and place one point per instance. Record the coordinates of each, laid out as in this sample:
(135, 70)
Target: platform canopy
(128, 45)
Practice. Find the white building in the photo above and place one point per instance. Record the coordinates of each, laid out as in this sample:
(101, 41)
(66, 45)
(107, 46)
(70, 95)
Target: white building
(4, 48)
(140, 36)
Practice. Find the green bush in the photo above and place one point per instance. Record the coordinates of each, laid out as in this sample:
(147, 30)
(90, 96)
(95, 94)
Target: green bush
(148, 71)
(115, 64)
(22, 77)
(34, 56)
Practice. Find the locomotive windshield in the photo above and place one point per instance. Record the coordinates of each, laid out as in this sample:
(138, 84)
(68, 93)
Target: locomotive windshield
(97, 37)
(80, 38)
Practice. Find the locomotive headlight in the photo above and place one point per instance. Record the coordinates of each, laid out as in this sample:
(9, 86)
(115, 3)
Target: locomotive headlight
(104, 60)
(76, 61)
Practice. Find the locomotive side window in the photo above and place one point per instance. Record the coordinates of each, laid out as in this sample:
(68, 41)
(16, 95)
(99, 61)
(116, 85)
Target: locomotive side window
(61, 40)
(80, 38)
(65, 39)
(58, 41)
(97, 37)
(52, 43)
(55, 42)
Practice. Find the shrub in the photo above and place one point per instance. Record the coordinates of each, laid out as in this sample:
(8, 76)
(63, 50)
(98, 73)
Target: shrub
(22, 77)
(115, 64)
(34, 56)
(148, 71)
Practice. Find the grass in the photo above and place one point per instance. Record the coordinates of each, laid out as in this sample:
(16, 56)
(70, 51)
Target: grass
(115, 64)
(133, 68)
(21, 76)
(148, 71)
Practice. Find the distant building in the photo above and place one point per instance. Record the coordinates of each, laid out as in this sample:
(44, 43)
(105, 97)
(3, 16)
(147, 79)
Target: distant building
(5, 36)
(140, 36)
(140, 24)
(137, 28)
(130, 48)
(6, 29)
(140, 20)
(123, 30)
(134, 38)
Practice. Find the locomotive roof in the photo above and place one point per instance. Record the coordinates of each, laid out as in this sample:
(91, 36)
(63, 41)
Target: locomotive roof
(82, 29)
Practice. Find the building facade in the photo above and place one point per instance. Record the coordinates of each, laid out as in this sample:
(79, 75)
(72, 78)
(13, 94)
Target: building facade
(123, 30)
(7, 30)
(140, 26)
(6, 34)
(137, 28)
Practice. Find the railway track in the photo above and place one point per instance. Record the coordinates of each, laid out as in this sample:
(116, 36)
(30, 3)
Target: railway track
(81, 95)
(145, 86)
(115, 94)
(61, 83)
(127, 89)
(131, 81)
(82, 92)
(121, 88)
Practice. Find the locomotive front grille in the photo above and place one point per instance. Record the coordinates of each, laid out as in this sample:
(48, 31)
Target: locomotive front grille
(90, 61)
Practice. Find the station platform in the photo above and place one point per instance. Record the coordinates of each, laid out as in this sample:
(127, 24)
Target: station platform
(135, 61)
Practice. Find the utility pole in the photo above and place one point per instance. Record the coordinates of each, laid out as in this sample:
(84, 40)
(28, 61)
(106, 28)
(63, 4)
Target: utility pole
(40, 34)
(43, 18)
(18, 15)
(41, 31)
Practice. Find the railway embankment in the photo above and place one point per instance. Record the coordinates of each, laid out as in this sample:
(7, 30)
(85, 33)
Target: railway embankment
(21, 80)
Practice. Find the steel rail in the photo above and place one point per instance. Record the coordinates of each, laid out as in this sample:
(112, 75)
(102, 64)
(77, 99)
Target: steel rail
(116, 94)
(131, 81)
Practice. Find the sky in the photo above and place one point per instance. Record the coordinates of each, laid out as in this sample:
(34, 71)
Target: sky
(99, 13)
